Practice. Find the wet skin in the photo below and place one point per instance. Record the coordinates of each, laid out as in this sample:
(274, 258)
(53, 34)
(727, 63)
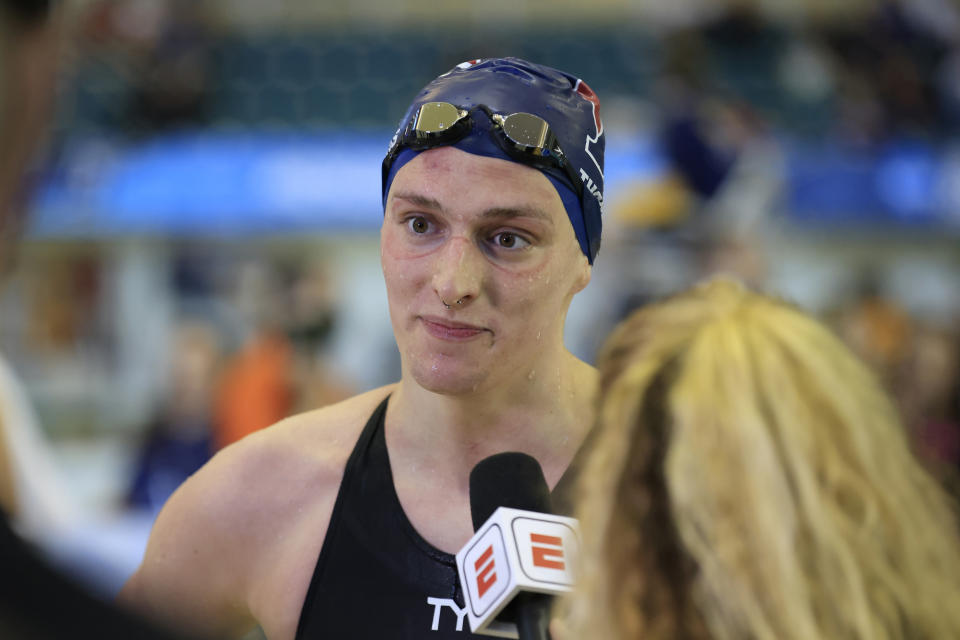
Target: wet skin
(490, 239)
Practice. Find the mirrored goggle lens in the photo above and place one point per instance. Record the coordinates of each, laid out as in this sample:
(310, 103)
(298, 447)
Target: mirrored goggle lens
(530, 132)
(435, 118)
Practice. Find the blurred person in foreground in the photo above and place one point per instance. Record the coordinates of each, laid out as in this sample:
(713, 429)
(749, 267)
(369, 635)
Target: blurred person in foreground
(750, 479)
(28, 67)
(342, 522)
(36, 601)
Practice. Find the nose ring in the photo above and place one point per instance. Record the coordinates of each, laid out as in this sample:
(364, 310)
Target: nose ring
(448, 306)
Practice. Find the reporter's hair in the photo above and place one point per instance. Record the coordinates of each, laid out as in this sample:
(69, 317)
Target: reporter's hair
(751, 480)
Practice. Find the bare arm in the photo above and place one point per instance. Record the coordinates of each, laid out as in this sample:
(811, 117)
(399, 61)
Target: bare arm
(236, 545)
(196, 569)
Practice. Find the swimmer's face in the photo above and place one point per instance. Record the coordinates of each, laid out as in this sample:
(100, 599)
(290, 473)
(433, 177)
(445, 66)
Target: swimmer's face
(491, 239)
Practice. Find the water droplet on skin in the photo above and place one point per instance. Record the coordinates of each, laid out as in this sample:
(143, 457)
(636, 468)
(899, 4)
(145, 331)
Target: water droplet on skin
(538, 336)
(531, 374)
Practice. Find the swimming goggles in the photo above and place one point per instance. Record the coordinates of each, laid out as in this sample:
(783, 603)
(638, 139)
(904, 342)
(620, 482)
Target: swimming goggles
(524, 137)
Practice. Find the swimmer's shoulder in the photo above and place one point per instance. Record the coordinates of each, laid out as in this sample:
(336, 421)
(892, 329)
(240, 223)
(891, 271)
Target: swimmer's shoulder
(325, 436)
(218, 537)
(307, 451)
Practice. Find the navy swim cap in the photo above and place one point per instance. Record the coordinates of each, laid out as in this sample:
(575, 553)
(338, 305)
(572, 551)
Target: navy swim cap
(512, 85)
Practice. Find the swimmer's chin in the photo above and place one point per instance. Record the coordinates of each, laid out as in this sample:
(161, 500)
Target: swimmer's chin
(445, 379)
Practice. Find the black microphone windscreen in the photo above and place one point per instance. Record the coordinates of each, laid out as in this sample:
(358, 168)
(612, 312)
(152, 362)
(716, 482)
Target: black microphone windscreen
(509, 479)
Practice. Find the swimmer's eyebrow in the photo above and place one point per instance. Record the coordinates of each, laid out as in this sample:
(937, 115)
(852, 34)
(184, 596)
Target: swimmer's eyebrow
(419, 200)
(525, 211)
(522, 211)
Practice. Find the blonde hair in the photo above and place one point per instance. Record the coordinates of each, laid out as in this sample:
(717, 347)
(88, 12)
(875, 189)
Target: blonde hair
(751, 480)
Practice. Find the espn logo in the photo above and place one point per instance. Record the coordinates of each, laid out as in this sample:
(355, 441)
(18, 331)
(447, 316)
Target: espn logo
(486, 574)
(487, 568)
(550, 556)
(547, 552)
(514, 551)
(544, 547)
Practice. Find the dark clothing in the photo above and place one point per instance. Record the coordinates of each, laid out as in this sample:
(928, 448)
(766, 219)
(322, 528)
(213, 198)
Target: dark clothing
(39, 603)
(171, 454)
(376, 577)
(703, 166)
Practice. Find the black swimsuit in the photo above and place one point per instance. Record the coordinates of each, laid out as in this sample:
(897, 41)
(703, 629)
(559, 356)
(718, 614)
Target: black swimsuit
(376, 577)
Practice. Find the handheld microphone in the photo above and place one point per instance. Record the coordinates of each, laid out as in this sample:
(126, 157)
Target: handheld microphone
(520, 555)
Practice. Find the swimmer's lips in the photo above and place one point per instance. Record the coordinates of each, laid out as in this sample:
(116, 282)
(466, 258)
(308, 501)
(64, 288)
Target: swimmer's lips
(448, 330)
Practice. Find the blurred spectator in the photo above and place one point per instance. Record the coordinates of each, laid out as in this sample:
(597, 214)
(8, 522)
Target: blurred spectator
(805, 71)
(256, 386)
(713, 139)
(178, 441)
(887, 59)
(877, 328)
(948, 84)
(161, 51)
(695, 149)
(930, 396)
(690, 144)
(743, 259)
(312, 319)
(173, 85)
(289, 309)
(62, 301)
(255, 390)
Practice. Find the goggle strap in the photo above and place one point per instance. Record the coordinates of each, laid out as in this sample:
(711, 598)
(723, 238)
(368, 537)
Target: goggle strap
(529, 141)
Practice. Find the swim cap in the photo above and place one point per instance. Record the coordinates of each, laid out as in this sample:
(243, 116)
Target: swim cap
(510, 85)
